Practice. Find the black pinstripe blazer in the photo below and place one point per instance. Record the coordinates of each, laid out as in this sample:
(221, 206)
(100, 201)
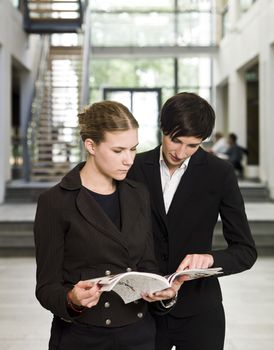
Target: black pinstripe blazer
(75, 240)
(207, 189)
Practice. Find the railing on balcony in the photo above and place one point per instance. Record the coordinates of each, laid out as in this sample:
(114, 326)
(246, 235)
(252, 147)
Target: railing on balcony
(53, 16)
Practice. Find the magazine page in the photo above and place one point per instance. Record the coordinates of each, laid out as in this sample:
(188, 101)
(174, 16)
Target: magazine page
(131, 285)
(108, 282)
(195, 273)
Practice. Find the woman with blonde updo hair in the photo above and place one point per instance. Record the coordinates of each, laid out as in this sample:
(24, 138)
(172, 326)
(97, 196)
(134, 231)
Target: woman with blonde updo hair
(96, 222)
(104, 116)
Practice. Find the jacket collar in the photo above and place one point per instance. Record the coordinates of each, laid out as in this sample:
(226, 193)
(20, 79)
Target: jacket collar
(184, 190)
(198, 157)
(94, 214)
(72, 180)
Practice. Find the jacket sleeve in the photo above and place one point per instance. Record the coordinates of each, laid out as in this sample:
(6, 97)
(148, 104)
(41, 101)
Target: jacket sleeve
(240, 253)
(49, 235)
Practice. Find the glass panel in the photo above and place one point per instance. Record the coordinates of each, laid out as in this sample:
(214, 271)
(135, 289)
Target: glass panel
(144, 106)
(195, 75)
(121, 96)
(127, 29)
(246, 4)
(145, 110)
(15, 3)
(151, 23)
(194, 72)
(132, 73)
(66, 39)
(194, 28)
(225, 23)
(110, 5)
(96, 95)
(167, 93)
(201, 5)
(203, 92)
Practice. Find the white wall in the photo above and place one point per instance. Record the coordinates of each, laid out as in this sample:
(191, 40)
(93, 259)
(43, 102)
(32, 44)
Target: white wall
(250, 40)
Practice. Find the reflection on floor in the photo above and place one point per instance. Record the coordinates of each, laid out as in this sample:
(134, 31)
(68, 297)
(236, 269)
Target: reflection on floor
(248, 301)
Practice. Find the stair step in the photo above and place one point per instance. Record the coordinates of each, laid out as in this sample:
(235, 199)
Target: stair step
(19, 188)
(50, 1)
(58, 123)
(47, 178)
(254, 192)
(18, 236)
(58, 131)
(57, 142)
(49, 172)
(25, 192)
(56, 137)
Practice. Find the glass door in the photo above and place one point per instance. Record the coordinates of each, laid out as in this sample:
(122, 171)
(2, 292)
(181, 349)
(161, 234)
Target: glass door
(145, 105)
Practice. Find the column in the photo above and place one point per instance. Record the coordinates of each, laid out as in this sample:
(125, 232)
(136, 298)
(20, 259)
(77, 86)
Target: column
(234, 12)
(237, 106)
(266, 86)
(5, 119)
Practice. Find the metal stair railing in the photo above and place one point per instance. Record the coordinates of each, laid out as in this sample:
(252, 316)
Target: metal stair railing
(29, 137)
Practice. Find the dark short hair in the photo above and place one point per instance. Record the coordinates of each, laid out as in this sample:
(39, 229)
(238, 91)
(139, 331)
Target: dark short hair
(187, 114)
(233, 137)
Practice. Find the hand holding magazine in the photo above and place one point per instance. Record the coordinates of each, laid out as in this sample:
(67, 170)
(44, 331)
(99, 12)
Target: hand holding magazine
(130, 285)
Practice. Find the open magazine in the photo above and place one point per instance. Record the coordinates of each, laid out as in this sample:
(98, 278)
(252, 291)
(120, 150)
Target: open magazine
(130, 285)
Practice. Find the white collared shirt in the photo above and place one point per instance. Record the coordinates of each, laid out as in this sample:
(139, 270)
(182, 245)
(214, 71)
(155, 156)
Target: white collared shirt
(170, 183)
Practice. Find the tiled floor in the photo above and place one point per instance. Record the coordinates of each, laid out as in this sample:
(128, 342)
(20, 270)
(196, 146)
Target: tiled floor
(248, 300)
(249, 305)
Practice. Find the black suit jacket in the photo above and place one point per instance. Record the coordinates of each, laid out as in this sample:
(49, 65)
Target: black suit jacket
(75, 240)
(207, 189)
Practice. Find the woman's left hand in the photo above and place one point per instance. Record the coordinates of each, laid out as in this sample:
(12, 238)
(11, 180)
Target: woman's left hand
(165, 294)
(168, 293)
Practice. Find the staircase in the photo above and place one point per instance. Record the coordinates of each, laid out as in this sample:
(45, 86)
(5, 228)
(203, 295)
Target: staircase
(55, 137)
(52, 16)
(53, 143)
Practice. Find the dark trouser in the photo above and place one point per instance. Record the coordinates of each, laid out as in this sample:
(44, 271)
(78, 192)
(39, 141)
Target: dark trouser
(202, 331)
(74, 336)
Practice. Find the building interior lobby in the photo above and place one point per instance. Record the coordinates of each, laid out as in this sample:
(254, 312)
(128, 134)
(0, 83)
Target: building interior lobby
(56, 56)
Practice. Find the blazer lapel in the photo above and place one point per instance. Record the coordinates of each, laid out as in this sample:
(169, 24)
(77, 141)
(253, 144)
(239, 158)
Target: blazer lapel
(185, 187)
(95, 215)
(130, 207)
(151, 168)
(89, 208)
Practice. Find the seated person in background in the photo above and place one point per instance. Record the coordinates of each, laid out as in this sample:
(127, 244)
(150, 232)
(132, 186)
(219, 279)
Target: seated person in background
(220, 145)
(235, 154)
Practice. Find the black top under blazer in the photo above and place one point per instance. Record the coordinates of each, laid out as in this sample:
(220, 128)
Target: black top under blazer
(207, 189)
(75, 240)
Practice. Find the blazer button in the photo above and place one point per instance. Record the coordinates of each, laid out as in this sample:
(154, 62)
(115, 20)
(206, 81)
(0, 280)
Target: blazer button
(107, 272)
(108, 321)
(164, 257)
(107, 304)
(140, 315)
(129, 269)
